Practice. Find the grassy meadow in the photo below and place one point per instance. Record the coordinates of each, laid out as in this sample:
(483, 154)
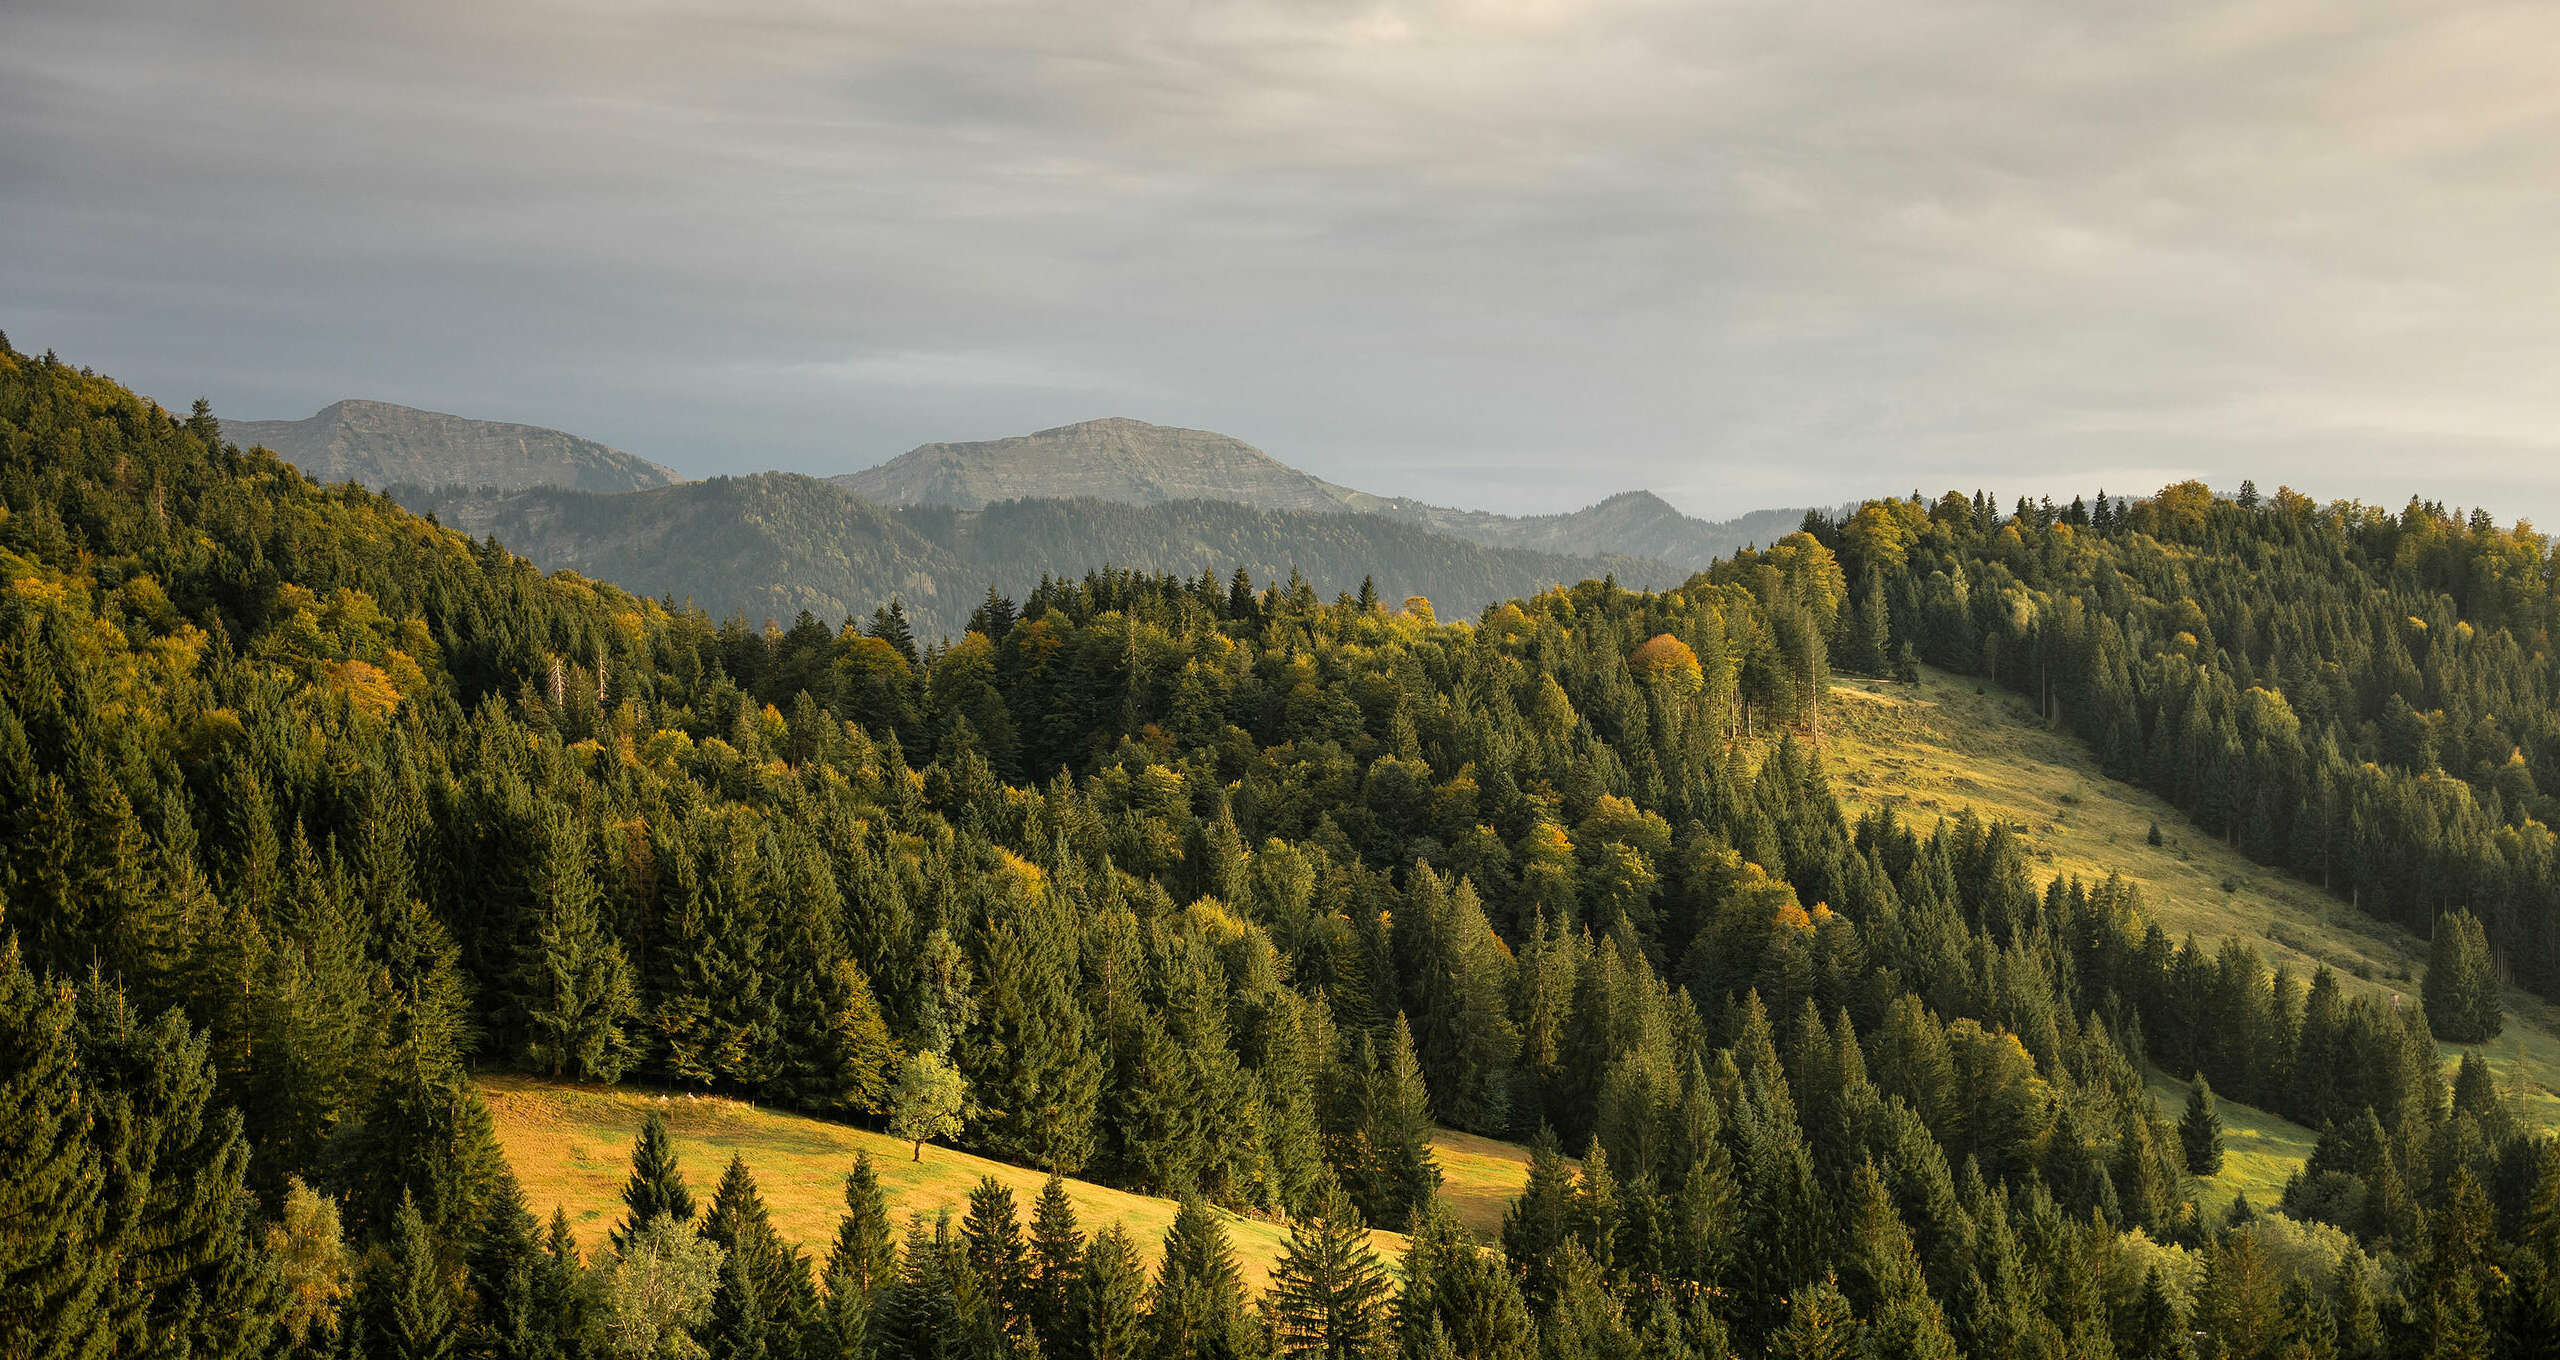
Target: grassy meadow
(1944, 745)
(570, 1145)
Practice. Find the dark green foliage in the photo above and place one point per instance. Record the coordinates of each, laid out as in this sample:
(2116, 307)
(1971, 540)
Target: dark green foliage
(1108, 1321)
(573, 984)
(1057, 1265)
(53, 1276)
(863, 1262)
(413, 1311)
(2460, 990)
(1196, 1310)
(1329, 1292)
(2200, 1130)
(764, 1303)
(656, 1187)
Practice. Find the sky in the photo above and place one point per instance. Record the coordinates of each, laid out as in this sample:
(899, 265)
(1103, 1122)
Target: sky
(1509, 255)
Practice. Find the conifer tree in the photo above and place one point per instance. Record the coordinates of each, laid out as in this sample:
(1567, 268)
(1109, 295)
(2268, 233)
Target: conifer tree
(1057, 1263)
(863, 1263)
(763, 1303)
(411, 1312)
(1329, 1292)
(572, 982)
(992, 1232)
(1459, 1299)
(511, 1316)
(1109, 1319)
(2460, 990)
(1035, 1077)
(1883, 1279)
(740, 1327)
(189, 1269)
(656, 1187)
(1197, 1308)
(1387, 1161)
(1819, 1326)
(53, 1278)
(2200, 1130)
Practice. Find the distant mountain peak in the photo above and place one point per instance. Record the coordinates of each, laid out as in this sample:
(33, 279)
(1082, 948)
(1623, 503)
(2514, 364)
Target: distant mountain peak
(381, 443)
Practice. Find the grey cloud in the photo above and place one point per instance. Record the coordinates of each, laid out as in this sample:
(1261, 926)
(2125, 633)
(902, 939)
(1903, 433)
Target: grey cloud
(1506, 254)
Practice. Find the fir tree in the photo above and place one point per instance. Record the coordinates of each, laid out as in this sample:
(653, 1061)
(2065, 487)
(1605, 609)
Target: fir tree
(411, 1313)
(656, 1188)
(1057, 1263)
(1329, 1292)
(2460, 990)
(53, 1279)
(1109, 1321)
(1196, 1310)
(2200, 1130)
(572, 981)
(864, 1260)
(992, 1233)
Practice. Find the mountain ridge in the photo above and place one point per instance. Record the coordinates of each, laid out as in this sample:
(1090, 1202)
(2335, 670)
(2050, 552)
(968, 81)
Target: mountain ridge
(381, 443)
(1128, 461)
(769, 545)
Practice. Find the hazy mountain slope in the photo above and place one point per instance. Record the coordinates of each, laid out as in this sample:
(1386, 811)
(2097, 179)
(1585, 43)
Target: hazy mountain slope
(1127, 461)
(1016, 542)
(772, 545)
(380, 445)
(1131, 462)
(1636, 523)
(766, 546)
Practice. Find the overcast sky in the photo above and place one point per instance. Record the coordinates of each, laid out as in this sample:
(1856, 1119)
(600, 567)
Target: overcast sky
(1516, 255)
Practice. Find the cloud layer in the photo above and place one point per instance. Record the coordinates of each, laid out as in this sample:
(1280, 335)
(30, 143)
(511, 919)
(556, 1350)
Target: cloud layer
(1509, 254)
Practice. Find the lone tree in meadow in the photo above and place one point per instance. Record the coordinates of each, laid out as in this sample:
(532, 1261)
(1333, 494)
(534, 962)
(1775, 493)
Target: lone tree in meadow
(2200, 1130)
(2460, 990)
(927, 1101)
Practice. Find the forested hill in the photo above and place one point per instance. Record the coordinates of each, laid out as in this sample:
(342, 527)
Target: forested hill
(308, 806)
(380, 445)
(2367, 698)
(776, 544)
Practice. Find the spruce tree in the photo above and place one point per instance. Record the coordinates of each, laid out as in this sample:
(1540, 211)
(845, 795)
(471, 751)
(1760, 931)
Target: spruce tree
(572, 982)
(2460, 990)
(1057, 1263)
(864, 1260)
(1197, 1309)
(2200, 1130)
(765, 1281)
(53, 1278)
(190, 1272)
(1329, 1292)
(1819, 1326)
(656, 1188)
(411, 1311)
(512, 1319)
(1035, 1077)
(1109, 1320)
(992, 1232)
(1883, 1279)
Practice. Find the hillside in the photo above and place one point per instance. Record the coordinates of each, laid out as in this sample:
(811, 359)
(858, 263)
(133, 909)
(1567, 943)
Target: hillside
(1637, 523)
(570, 1145)
(1130, 462)
(1938, 748)
(383, 445)
(772, 545)
(1125, 461)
